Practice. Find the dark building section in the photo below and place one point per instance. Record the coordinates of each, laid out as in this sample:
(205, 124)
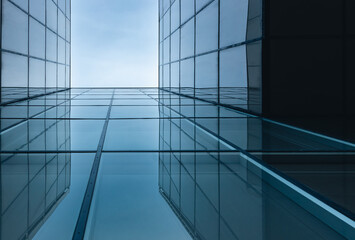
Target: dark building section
(308, 47)
(35, 48)
(308, 65)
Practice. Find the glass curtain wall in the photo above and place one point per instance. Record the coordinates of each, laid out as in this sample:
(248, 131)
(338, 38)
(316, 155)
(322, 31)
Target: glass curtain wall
(211, 50)
(35, 48)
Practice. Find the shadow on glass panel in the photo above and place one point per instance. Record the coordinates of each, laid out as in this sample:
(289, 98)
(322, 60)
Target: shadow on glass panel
(225, 196)
(32, 186)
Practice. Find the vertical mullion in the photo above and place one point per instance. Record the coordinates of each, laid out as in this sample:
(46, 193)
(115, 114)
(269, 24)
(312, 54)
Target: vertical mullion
(219, 52)
(28, 49)
(179, 29)
(194, 17)
(159, 45)
(69, 8)
(45, 47)
(170, 48)
(0, 59)
(28, 124)
(56, 35)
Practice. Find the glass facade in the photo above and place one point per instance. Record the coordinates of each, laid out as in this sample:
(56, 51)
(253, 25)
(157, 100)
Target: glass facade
(192, 159)
(151, 164)
(35, 48)
(211, 50)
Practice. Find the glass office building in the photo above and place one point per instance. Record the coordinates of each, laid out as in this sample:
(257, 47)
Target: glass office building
(35, 48)
(211, 50)
(195, 158)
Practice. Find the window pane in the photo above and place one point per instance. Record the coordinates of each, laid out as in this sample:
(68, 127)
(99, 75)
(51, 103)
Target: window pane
(61, 4)
(166, 80)
(175, 75)
(233, 67)
(51, 46)
(206, 71)
(61, 50)
(187, 39)
(67, 77)
(167, 24)
(37, 39)
(175, 15)
(22, 4)
(167, 50)
(37, 9)
(187, 9)
(37, 73)
(207, 29)
(61, 24)
(51, 15)
(61, 76)
(175, 46)
(14, 28)
(67, 5)
(67, 29)
(67, 55)
(234, 15)
(51, 75)
(14, 70)
(187, 73)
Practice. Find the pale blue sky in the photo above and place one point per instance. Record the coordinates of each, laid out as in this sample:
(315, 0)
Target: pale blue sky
(114, 43)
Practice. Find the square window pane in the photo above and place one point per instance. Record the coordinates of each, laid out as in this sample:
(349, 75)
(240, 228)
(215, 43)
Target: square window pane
(14, 70)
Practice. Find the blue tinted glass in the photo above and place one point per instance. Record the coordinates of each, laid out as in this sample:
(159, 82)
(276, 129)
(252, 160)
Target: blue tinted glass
(134, 176)
(62, 221)
(132, 135)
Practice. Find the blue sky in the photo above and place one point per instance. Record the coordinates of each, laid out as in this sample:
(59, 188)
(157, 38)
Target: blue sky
(114, 43)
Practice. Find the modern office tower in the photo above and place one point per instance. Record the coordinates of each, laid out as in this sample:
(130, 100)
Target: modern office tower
(33, 184)
(284, 60)
(212, 50)
(200, 157)
(35, 48)
(280, 65)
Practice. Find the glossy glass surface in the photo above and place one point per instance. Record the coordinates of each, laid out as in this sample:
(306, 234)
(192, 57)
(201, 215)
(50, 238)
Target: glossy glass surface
(134, 204)
(34, 53)
(171, 166)
(220, 51)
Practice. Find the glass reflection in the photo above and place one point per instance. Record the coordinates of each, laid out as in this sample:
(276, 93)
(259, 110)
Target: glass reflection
(32, 186)
(223, 196)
